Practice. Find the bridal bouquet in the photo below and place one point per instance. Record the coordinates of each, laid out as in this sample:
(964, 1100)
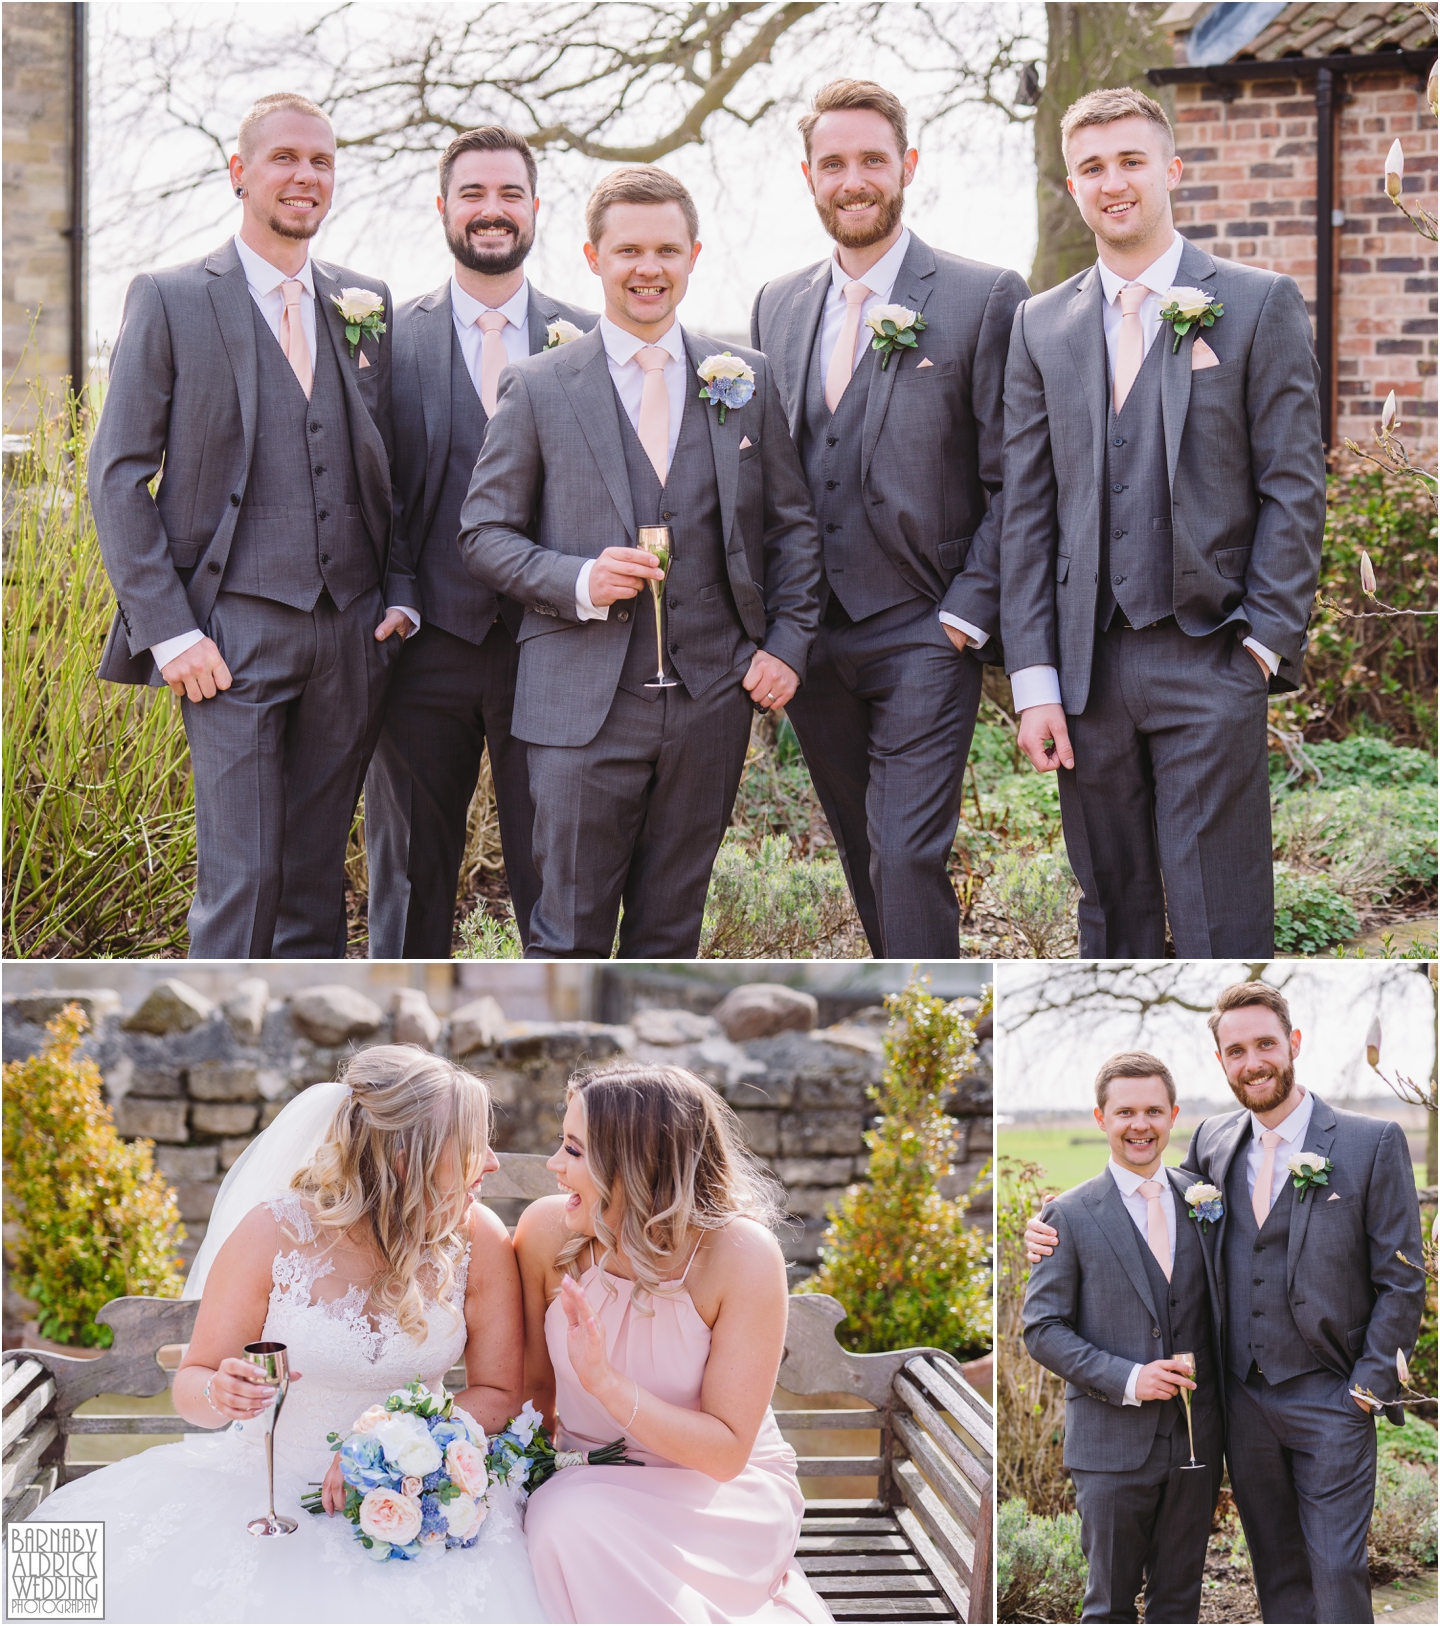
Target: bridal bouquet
(523, 1455)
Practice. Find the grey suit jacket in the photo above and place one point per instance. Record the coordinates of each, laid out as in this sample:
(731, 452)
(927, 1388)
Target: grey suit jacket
(1245, 458)
(1353, 1301)
(932, 449)
(183, 396)
(1090, 1316)
(550, 491)
(420, 365)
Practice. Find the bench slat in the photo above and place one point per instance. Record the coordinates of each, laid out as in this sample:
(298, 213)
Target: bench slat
(26, 1412)
(25, 1454)
(837, 1467)
(959, 1592)
(829, 1419)
(131, 1425)
(879, 1526)
(960, 1499)
(858, 1610)
(918, 1584)
(18, 1374)
(851, 1506)
(23, 1504)
(859, 1563)
(956, 1547)
(850, 1545)
(973, 1415)
(970, 1467)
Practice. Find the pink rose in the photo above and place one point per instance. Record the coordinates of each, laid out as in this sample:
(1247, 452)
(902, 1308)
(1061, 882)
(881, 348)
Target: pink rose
(411, 1486)
(386, 1515)
(466, 1466)
(363, 1424)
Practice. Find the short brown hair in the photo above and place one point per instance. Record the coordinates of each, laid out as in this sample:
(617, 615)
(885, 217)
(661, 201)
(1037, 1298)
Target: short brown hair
(1109, 106)
(487, 138)
(844, 94)
(1131, 1064)
(642, 183)
(283, 101)
(1240, 994)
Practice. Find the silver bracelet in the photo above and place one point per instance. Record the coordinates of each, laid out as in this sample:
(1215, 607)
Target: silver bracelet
(208, 1401)
(631, 1418)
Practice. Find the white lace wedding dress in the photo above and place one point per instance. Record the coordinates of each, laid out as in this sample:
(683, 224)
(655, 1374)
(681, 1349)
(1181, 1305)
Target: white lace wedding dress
(176, 1546)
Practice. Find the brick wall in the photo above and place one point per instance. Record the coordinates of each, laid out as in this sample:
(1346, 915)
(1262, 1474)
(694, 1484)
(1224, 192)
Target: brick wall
(1248, 193)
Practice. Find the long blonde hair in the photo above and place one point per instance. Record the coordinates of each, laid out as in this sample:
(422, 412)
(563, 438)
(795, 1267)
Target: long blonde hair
(375, 1175)
(665, 1139)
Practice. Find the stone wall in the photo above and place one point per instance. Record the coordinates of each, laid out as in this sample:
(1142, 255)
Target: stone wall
(201, 1077)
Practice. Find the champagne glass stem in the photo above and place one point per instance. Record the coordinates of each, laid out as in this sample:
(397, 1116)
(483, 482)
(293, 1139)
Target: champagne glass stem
(1189, 1426)
(270, 1469)
(659, 636)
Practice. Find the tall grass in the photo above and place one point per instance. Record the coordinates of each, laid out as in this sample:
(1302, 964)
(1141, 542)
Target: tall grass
(98, 809)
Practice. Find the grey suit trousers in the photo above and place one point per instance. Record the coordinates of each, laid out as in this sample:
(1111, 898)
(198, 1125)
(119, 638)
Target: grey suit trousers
(278, 759)
(449, 700)
(1302, 1463)
(1167, 810)
(1148, 1529)
(636, 816)
(885, 718)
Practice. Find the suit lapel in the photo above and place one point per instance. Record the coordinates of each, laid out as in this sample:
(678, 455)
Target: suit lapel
(1085, 333)
(724, 444)
(585, 377)
(1319, 1137)
(371, 457)
(801, 337)
(1108, 1207)
(540, 313)
(434, 349)
(1195, 268)
(235, 313)
(912, 289)
(1221, 1156)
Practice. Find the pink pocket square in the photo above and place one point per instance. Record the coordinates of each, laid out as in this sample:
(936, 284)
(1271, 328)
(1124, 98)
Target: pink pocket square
(1201, 355)
(364, 359)
(1334, 1197)
(745, 441)
(926, 363)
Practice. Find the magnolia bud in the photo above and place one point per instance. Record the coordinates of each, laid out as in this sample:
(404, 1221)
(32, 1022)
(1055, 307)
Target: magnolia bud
(1394, 169)
(1432, 90)
(1367, 583)
(1389, 411)
(1372, 1038)
(1401, 1369)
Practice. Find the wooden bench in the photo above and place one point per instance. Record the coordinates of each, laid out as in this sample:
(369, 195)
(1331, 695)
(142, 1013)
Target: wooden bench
(918, 1550)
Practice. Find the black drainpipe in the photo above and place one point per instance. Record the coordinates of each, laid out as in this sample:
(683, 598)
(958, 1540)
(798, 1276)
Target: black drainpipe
(79, 349)
(1325, 248)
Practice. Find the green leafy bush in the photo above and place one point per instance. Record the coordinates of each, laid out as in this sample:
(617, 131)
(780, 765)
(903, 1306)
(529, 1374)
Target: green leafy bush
(485, 938)
(1402, 1531)
(897, 1254)
(1310, 915)
(1414, 1441)
(93, 1220)
(1373, 843)
(1038, 894)
(1363, 759)
(1040, 1568)
(765, 903)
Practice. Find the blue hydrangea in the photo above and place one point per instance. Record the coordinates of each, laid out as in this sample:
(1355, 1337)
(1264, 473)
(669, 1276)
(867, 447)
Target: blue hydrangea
(433, 1520)
(731, 392)
(443, 1430)
(362, 1464)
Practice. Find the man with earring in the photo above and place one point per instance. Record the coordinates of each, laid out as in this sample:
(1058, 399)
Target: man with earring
(902, 449)
(454, 686)
(258, 581)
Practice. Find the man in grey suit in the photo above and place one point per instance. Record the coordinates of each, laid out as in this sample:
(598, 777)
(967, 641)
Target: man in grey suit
(1165, 502)
(634, 782)
(454, 686)
(903, 454)
(1315, 1303)
(258, 581)
(1131, 1290)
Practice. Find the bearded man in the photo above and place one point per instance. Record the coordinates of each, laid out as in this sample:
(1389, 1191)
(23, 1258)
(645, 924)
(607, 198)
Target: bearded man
(902, 448)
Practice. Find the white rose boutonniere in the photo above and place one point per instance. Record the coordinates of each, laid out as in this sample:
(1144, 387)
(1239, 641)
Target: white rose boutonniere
(1185, 308)
(729, 382)
(1309, 1169)
(561, 332)
(361, 310)
(1205, 1204)
(895, 328)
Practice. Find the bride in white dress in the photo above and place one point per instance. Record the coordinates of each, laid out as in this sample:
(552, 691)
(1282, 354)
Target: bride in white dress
(346, 1231)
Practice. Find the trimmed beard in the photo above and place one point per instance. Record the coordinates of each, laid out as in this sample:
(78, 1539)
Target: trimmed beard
(301, 229)
(832, 218)
(489, 262)
(1282, 1085)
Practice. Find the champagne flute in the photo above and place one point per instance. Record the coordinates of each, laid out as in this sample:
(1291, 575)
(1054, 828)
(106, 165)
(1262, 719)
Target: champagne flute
(657, 541)
(1187, 1360)
(273, 1361)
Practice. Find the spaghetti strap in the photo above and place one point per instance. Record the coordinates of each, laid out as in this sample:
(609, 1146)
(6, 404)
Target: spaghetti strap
(691, 1261)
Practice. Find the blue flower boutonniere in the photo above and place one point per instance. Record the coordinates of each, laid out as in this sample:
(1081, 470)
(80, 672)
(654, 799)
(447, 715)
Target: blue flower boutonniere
(1205, 1204)
(729, 382)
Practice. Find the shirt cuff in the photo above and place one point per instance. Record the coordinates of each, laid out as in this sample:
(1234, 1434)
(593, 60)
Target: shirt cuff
(1130, 1383)
(1271, 659)
(168, 648)
(584, 609)
(406, 610)
(973, 633)
(1035, 686)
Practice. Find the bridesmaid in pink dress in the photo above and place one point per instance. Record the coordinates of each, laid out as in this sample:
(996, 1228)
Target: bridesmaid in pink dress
(655, 1302)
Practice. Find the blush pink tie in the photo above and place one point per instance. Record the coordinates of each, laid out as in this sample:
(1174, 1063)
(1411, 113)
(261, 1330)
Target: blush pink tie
(492, 356)
(292, 333)
(654, 426)
(842, 363)
(1260, 1202)
(1130, 346)
(1157, 1233)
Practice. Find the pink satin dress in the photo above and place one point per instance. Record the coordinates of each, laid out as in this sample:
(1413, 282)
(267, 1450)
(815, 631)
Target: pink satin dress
(661, 1543)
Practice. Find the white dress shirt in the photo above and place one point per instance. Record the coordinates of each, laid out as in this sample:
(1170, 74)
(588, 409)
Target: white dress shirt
(621, 349)
(263, 281)
(467, 311)
(1139, 1210)
(1291, 1131)
(1040, 685)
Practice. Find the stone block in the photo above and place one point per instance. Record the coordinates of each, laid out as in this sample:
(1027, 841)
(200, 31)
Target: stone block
(560, 1044)
(759, 1009)
(272, 1109)
(231, 1149)
(804, 1070)
(660, 1027)
(332, 1013)
(97, 1003)
(270, 1083)
(318, 1066)
(196, 1198)
(165, 1082)
(245, 1009)
(801, 1243)
(822, 1134)
(140, 1117)
(222, 1118)
(414, 1021)
(761, 1131)
(476, 1026)
(179, 1163)
(812, 1202)
(814, 1171)
(171, 1006)
(224, 1081)
(119, 1079)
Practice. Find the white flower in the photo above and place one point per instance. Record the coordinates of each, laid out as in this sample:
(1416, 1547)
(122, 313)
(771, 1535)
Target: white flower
(1192, 302)
(407, 1445)
(1367, 586)
(368, 1420)
(355, 304)
(723, 366)
(900, 315)
(1388, 411)
(464, 1515)
(523, 1427)
(1394, 169)
(1306, 1163)
(561, 332)
(1402, 1369)
(458, 1414)
(1201, 1193)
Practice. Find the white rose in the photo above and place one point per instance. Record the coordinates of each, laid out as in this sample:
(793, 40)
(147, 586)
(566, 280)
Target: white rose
(407, 1445)
(355, 304)
(464, 1515)
(458, 1414)
(900, 315)
(561, 332)
(1192, 302)
(1198, 1194)
(1306, 1163)
(724, 366)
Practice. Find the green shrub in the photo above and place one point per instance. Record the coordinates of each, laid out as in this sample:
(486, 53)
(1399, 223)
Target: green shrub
(1310, 915)
(776, 796)
(1402, 1531)
(1038, 894)
(1040, 1568)
(1374, 843)
(1413, 1441)
(897, 1254)
(1363, 759)
(485, 938)
(765, 903)
(93, 1220)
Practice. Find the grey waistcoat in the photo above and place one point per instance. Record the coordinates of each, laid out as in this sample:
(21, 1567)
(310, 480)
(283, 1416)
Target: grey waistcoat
(1137, 564)
(299, 529)
(454, 600)
(704, 638)
(1261, 1327)
(1183, 1307)
(857, 570)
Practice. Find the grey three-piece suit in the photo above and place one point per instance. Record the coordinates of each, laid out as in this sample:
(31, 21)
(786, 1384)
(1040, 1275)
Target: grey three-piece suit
(1315, 1302)
(906, 477)
(1138, 550)
(454, 685)
(633, 786)
(1094, 1309)
(270, 532)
